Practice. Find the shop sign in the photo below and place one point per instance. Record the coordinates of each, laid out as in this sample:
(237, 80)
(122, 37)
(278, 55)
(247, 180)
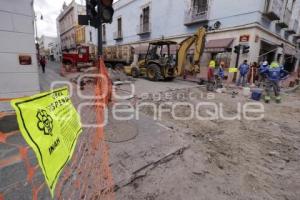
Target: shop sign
(244, 38)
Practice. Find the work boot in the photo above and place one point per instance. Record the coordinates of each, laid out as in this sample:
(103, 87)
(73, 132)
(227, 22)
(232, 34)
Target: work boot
(267, 99)
(278, 99)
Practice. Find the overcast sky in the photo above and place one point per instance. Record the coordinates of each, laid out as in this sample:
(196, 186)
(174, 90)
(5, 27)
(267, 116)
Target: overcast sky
(50, 9)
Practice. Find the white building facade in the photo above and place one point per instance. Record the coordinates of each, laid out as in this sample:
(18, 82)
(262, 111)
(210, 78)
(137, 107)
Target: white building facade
(270, 27)
(46, 44)
(66, 23)
(18, 66)
(55, 51)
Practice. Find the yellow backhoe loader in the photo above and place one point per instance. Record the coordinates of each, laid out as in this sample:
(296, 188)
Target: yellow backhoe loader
(159, 64)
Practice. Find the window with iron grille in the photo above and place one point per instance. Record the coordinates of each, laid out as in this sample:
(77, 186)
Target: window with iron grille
(145, 20)
(91, 36)
(120, 27)
(199, 6)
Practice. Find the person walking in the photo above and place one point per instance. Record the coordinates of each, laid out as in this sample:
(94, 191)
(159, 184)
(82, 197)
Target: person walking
(274, 74)
(244, 69)
(43, 63)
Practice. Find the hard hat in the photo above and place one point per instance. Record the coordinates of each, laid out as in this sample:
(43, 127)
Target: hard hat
(212, 64)
(265, 63)
(274, 64)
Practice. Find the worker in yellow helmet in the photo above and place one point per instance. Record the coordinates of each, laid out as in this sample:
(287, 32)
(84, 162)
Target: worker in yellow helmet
(211, 70)
(212, 64)
(274, 75)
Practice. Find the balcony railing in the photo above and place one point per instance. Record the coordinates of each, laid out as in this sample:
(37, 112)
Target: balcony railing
(195, 16)
(118, 35)
(273, 9)
(143, 29)
(285, 21)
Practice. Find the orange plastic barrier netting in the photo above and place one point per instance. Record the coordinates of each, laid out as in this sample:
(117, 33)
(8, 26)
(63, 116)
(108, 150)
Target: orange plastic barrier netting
(86, 176)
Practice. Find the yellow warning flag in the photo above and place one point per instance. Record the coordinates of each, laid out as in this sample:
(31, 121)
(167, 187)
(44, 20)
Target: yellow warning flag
(233, 70)
(50, 125)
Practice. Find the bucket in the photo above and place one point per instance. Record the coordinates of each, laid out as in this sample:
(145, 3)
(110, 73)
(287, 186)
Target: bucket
(246, 91)
(256, 94)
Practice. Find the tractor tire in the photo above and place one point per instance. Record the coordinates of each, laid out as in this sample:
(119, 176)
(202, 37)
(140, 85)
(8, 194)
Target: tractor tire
(153, 72)
(135, 72)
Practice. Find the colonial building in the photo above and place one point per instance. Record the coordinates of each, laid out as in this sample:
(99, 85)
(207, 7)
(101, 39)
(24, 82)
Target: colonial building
(269, 27)
(70, 33)
(18, 66)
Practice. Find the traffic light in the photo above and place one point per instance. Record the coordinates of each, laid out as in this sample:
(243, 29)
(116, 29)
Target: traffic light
(237, 49)
(91, 9)
(107, 11)
(92, 16)
(246, 49)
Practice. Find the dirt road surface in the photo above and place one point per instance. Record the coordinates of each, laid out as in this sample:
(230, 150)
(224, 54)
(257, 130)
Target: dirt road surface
(225, 159)
(155, 156)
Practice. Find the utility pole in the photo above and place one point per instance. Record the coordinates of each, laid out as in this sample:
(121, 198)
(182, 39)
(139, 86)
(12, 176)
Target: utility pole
(100, 44)
(237, 50)
(237, 60)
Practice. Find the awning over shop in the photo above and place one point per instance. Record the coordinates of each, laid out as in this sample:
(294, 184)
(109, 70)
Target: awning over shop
(220, 45)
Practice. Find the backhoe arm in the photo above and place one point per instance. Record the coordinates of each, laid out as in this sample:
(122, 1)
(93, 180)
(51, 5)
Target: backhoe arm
(182, 53)
(199, 40)
(199, 46)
